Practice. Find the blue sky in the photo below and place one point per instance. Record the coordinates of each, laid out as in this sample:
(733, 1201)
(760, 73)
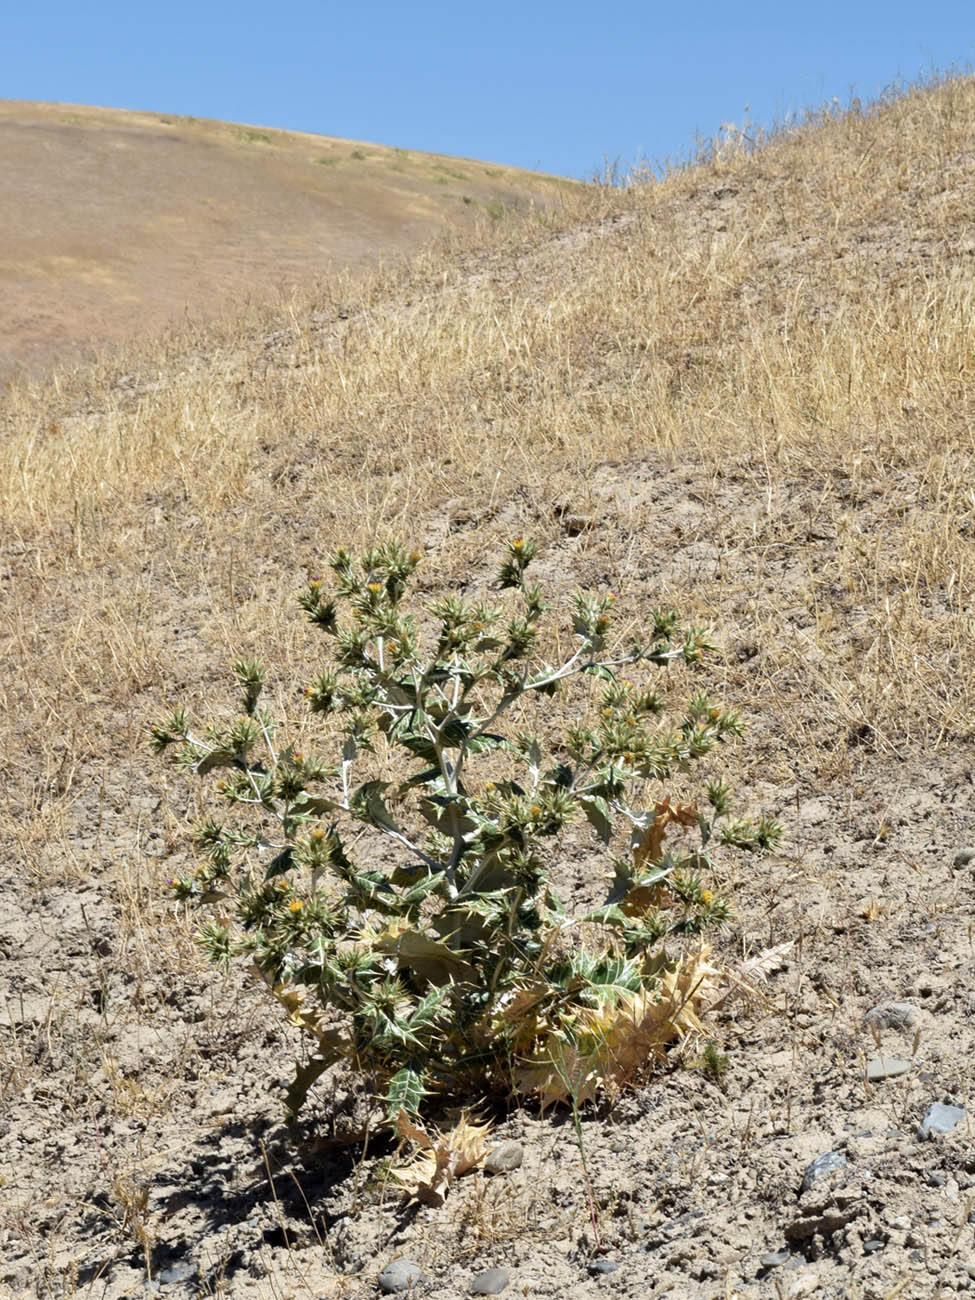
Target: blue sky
(557, 86)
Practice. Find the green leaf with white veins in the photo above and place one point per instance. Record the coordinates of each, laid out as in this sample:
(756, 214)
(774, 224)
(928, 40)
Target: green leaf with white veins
(405, 1092)
(432, 961)
(446, 815)
(368, 803)
(597, 812)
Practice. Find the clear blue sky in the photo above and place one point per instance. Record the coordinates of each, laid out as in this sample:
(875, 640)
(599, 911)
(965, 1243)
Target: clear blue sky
(557, 86)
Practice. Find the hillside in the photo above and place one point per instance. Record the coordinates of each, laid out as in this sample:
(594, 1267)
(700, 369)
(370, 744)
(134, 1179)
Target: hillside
(120, 224)
(746, 391)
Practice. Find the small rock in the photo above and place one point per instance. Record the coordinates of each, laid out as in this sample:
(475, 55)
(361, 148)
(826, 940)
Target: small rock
(827, 1163)
(901, 1224)
(886, 1067)
(805, 1284)
(504, 1158)
(871, 1247)
(400, 1275)
(491, 1282)
(597, 1267)
(892, 1015)
(940, 1119)
(963, 858)
(178, 1273)
(574, 524)
(774, 1258)
(222, 1101)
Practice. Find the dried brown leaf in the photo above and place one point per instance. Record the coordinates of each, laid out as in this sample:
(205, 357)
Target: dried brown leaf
(650, 847)
(443, 1157)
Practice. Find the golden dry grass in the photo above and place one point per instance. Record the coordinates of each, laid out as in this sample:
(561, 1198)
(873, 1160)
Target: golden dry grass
(811, 328)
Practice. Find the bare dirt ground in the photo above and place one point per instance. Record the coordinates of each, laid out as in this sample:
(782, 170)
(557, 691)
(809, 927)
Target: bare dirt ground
(745, 392)
(117, 225)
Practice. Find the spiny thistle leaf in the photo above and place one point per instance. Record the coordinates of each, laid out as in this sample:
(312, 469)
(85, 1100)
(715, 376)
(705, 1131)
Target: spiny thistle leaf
(598, 814)
(404, 1094)
(434, 962)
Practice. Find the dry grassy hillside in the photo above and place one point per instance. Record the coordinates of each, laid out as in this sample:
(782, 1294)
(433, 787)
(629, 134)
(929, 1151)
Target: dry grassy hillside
(746, 390)
(119, 224)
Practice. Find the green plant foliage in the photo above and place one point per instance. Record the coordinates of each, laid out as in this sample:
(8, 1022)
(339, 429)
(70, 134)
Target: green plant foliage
(715, 1064)
(412, 923)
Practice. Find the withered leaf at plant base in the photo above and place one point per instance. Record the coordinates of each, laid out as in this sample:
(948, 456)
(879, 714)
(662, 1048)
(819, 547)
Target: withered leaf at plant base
(442, 1158)
(611, 1046)
(648, 846)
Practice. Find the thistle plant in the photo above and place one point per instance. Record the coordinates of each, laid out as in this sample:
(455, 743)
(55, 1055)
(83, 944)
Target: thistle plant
(435, 952)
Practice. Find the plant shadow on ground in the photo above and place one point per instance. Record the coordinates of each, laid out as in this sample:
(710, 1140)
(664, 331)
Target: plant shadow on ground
(245, 1189)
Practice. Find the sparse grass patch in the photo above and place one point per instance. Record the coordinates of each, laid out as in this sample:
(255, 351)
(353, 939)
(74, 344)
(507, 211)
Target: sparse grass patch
(251, 135)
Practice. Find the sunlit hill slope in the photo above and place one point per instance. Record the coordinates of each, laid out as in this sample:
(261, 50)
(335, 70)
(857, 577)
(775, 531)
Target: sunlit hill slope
(117, 224)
